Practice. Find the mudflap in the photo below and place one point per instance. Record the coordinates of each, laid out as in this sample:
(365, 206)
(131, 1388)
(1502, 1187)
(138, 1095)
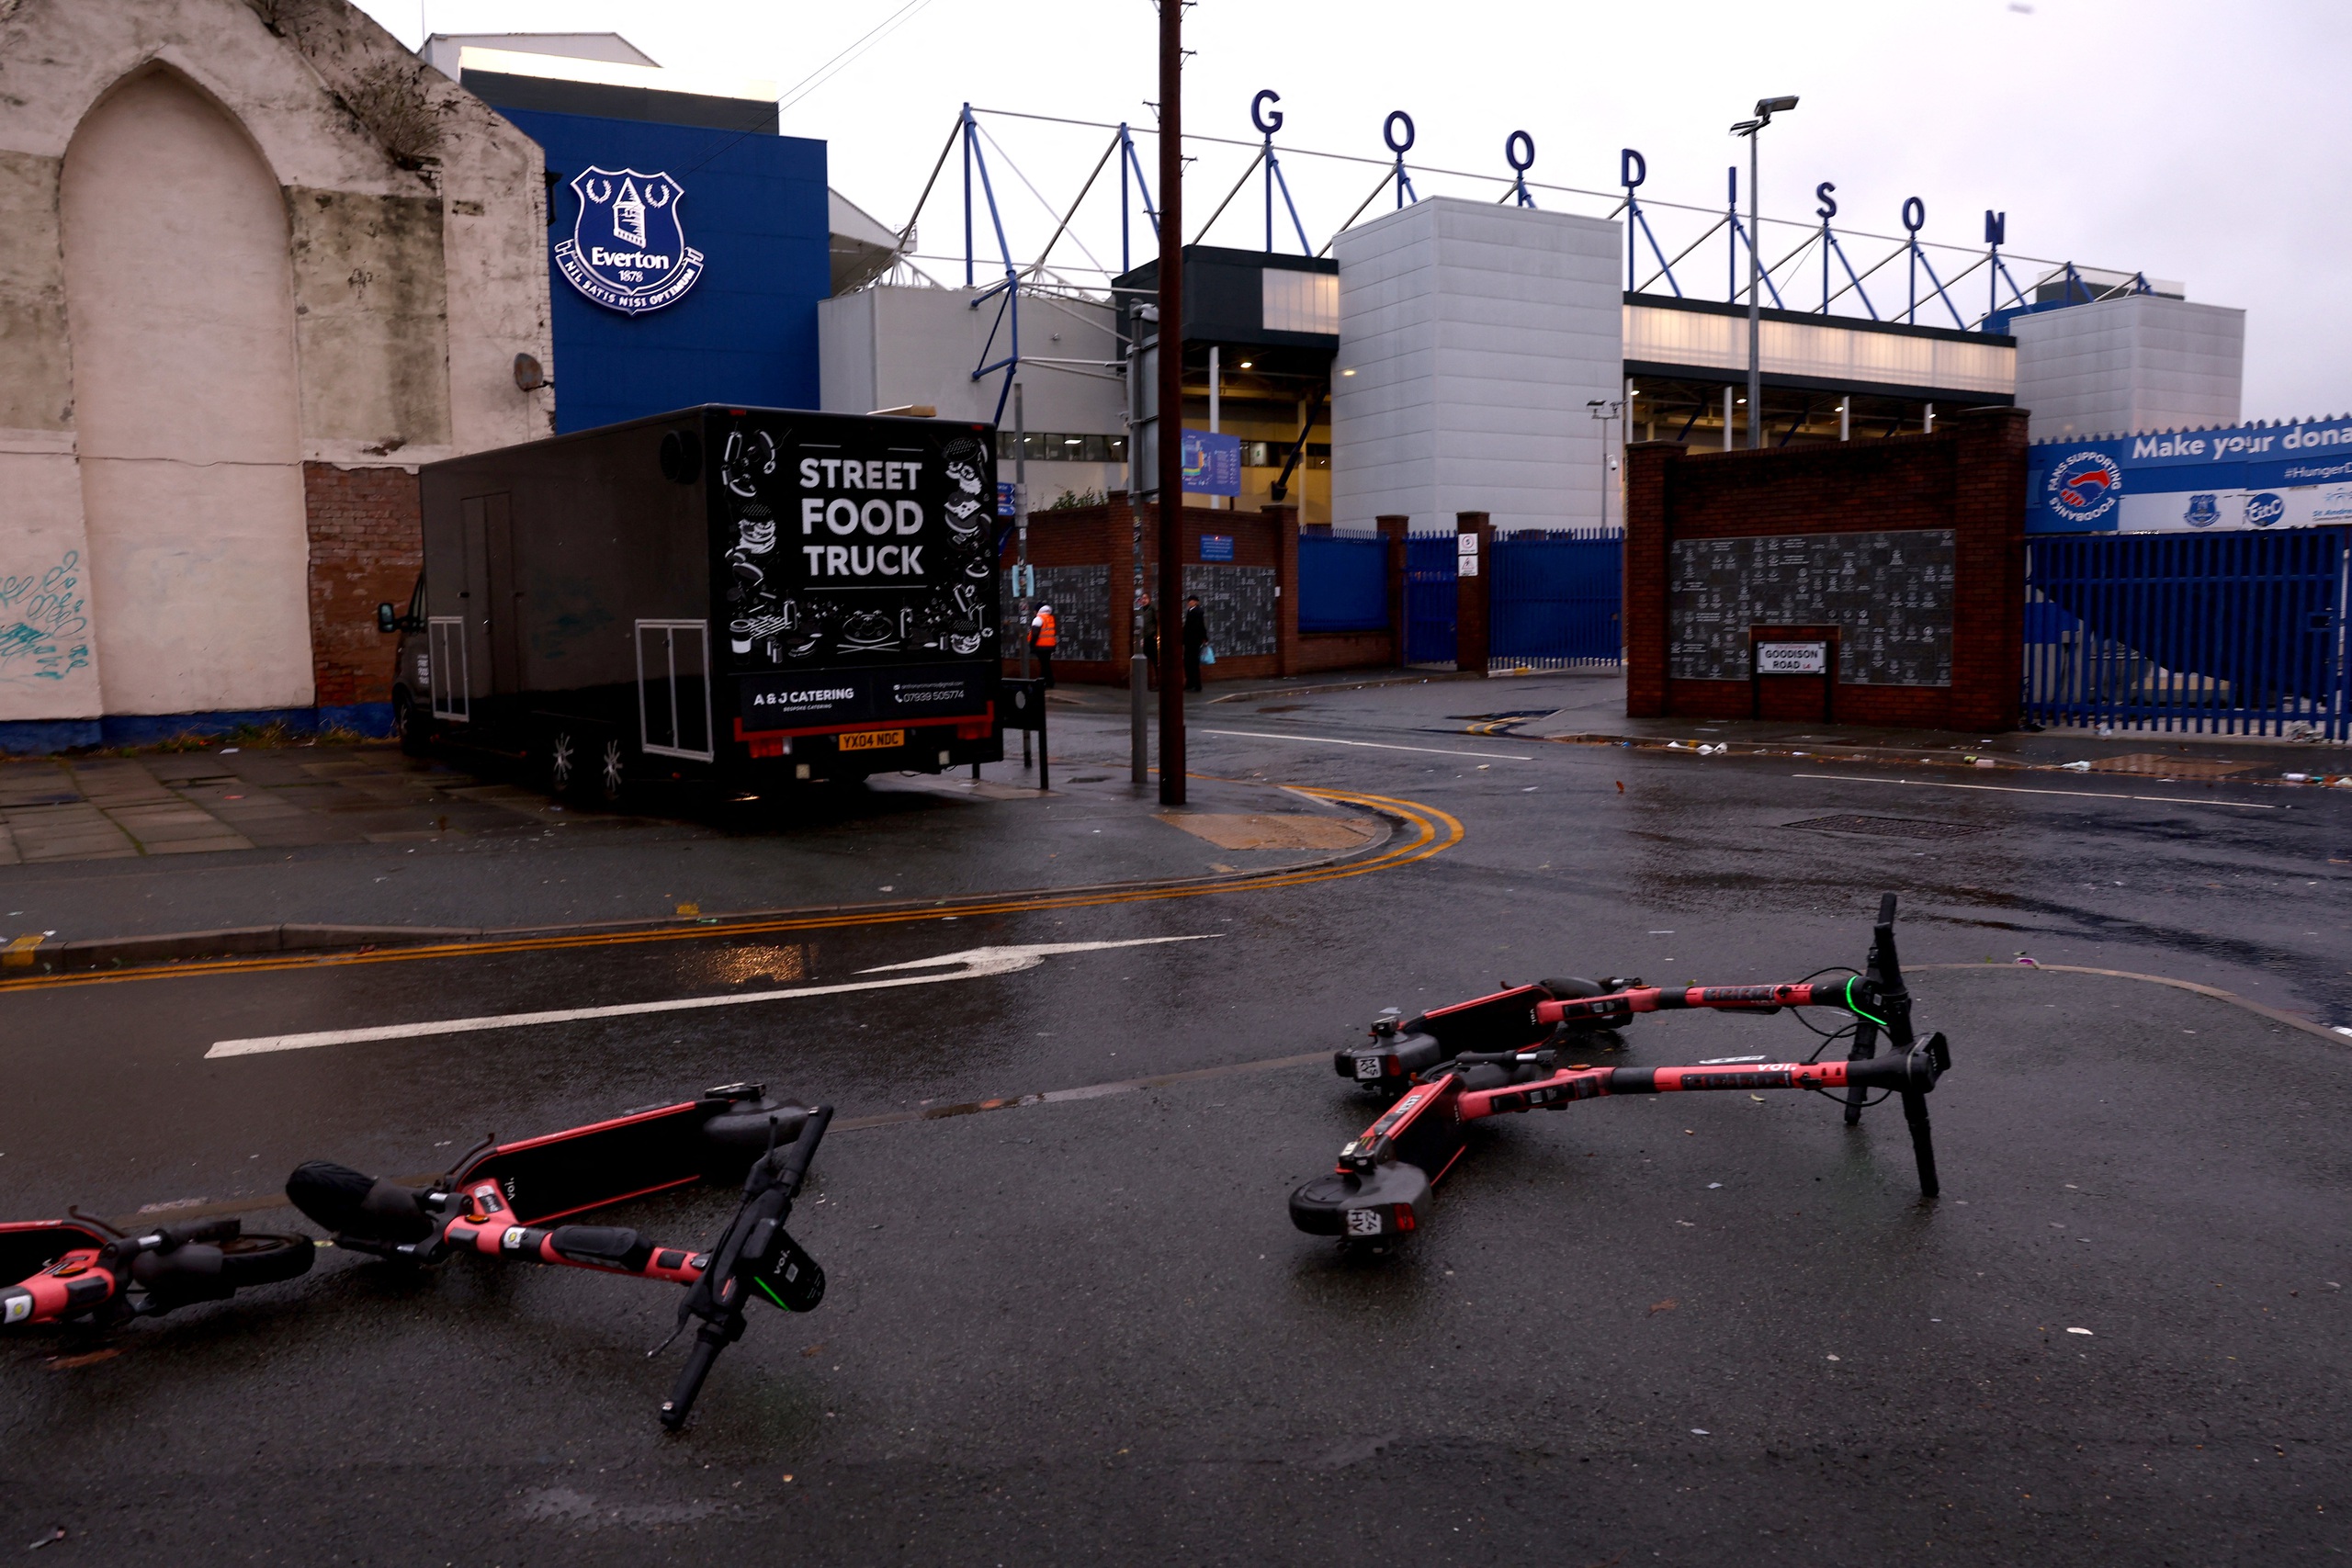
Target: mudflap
(1391, 1199)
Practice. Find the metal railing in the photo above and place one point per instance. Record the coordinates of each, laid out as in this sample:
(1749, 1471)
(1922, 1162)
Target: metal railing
(2236, 633)
(1557, 600)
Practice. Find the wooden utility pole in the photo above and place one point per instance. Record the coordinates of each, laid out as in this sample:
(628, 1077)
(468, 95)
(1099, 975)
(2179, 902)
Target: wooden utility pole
(1169, 426)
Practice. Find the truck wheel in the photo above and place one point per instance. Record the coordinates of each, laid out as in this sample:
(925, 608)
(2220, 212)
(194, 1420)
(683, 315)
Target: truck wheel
(611, 782)
(560, 764)
(408, 727)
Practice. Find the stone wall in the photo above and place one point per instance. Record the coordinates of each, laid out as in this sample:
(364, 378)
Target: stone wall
(244, 243)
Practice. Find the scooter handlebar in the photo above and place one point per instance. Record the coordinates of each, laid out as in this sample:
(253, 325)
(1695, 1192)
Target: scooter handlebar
(792, 1162)
(700, 1355)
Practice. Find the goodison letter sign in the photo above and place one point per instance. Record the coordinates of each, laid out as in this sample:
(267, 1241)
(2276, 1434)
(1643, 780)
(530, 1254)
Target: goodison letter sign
(627, 250)
(2244, 476)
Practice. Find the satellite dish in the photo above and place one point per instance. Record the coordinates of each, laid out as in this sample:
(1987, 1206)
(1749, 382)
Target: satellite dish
(530, 374)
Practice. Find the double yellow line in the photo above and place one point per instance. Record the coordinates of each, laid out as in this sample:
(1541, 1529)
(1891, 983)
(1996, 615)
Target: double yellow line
(1430, 831)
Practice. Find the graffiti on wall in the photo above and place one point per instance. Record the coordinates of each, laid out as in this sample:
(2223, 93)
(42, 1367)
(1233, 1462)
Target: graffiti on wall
(44, 632)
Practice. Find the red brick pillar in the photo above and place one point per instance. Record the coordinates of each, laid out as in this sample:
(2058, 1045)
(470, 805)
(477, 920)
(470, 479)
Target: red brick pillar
(1285, 521)
(1988, 560)
(1392, 528)
(1649, 470)
(1472, 587)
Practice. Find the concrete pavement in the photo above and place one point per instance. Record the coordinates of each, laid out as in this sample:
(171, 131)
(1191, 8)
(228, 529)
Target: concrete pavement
(350, 844)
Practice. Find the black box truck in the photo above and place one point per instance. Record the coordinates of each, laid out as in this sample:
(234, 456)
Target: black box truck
(749, 597)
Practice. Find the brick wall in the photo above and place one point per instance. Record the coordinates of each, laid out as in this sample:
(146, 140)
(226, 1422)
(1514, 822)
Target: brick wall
(366, 547)
(1320, 651)
(1969, 475)
(1097, 535)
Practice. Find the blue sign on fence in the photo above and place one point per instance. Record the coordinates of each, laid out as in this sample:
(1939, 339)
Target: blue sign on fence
(1216, 546)
(1212, 463)
(2244, 476)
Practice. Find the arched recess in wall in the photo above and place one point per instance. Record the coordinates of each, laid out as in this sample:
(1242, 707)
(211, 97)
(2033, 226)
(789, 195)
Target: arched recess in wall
(180, 307)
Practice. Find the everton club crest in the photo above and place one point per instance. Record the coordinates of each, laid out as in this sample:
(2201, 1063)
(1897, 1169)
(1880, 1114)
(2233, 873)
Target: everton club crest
(627, 250)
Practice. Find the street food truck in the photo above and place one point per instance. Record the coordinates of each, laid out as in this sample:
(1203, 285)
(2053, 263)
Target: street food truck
(749, 597)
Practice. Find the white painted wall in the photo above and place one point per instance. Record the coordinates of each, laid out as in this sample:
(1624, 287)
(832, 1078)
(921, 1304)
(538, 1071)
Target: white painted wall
(1476, 335)
(186, 406)
(2139, 362)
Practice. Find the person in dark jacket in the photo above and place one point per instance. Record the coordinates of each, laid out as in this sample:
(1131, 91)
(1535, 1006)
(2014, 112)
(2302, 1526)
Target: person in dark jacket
(1196, 637)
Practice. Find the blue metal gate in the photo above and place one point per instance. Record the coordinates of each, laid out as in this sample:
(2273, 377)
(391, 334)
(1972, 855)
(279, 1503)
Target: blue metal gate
(1429, 598)
(1557, 600)
(2236, 633)
(1343, 583)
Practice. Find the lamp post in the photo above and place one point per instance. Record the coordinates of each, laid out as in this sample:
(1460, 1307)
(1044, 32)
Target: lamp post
(1604, 411)
(1169, 433)
(1765, 110)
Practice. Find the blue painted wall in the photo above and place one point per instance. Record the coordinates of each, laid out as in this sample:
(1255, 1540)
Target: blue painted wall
(754, 206)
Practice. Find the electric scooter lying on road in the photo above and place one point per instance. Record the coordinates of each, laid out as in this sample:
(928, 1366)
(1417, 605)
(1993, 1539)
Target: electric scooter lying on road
(501, 1198)
(83, 1268)
(1502, 1053)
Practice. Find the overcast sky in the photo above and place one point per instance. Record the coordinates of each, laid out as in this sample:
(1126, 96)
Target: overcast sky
(2202, 144)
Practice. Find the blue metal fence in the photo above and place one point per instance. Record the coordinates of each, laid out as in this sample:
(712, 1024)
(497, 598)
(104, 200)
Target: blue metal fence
(1429, 598)
(1343, 583)
(2236, 633)
(1556, 600)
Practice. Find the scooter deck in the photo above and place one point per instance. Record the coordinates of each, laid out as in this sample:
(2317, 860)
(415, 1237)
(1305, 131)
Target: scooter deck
(630, 1156)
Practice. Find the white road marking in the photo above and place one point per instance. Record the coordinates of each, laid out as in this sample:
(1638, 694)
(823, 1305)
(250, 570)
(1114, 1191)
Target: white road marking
(973, 963)
(2014, 789)
(1370, 745)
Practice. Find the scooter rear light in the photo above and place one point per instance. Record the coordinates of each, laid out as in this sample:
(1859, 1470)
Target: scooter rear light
(1403, 1214)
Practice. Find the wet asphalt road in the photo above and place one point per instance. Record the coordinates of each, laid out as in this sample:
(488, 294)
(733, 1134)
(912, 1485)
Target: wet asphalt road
(1085, 1331)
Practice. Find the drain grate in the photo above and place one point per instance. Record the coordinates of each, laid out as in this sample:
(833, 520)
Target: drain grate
(1886, 827)
(2155, 764)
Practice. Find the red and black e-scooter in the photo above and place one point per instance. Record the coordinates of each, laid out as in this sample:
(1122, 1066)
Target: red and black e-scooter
(83, 1268)
(1502, 1053)
(86, 1268)
(502, 1202)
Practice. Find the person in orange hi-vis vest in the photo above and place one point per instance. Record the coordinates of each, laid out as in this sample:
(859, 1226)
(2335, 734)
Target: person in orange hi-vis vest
(1044, 634)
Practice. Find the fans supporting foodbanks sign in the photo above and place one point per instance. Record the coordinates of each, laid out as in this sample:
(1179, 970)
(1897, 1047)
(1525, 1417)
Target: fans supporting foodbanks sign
(627, 250)
(2247, 476)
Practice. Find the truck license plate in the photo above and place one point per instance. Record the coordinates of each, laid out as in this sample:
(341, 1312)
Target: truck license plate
(872, 740)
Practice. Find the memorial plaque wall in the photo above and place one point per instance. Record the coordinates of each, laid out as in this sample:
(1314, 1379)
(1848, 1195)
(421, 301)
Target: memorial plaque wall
(1236, 604)
(1081, 596)
(1890, 594)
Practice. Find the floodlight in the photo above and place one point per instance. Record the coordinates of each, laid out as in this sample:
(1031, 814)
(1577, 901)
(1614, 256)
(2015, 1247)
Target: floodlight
(1767, 107)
